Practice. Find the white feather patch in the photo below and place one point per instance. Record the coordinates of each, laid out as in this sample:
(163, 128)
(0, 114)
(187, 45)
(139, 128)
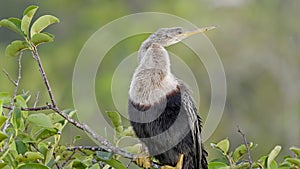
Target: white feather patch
(152, 80)
(145, 91)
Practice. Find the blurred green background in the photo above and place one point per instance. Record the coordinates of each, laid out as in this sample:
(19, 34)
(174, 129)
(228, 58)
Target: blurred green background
(258, 42)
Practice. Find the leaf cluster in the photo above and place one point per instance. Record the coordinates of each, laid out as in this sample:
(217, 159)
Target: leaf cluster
(236, 159)
(31, 138)
(32, 34)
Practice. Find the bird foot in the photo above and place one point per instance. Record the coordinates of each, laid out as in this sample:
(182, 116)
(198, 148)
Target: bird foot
(178, 165)
(143, 161)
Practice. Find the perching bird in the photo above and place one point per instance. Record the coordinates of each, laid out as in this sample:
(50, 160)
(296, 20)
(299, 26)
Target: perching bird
(161, 108)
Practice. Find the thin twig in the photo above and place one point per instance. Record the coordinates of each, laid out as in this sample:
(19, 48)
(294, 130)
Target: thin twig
(247, 147)
(229, 160)
(56, 164)
(47, 107)
(16, 82)
(92, 148)
(68, 159)
(36, 99)
(130, 162)
(9, 77)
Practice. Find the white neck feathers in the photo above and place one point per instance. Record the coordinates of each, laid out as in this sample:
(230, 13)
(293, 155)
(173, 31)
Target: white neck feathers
(152, 80)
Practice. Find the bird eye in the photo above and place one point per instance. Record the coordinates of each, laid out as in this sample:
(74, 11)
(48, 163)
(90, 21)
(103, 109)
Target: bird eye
(180, 32)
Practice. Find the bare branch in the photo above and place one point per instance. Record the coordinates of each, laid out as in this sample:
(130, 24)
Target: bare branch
(45, 79)
(68, 159)
(36, 99)
(92, 148)
(56, 164)
(17, 82)
(47, 107)
(247, 147)
(9, 77)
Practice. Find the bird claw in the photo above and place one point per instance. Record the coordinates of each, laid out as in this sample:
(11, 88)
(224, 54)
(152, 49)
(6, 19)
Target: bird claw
(178, 165)
(143, 161)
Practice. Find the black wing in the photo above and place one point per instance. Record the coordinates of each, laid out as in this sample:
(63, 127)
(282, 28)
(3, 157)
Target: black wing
(195, 125)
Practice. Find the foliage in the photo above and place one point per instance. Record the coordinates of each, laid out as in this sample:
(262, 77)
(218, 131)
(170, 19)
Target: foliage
(30, 138)
(22, 27)
(236, 159)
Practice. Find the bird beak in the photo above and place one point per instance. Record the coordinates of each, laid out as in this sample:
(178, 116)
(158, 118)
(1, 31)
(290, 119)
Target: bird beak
(200, 30)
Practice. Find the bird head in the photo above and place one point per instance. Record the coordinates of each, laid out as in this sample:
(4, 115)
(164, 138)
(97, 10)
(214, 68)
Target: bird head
(170, 36)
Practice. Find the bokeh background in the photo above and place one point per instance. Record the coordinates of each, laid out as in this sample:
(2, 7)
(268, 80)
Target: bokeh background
(258, 42)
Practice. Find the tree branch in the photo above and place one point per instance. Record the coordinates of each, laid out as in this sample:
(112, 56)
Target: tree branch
(45, 79)
(9, 77)
(47, 107)
(92, 148)
(16, 83)
(247, 147)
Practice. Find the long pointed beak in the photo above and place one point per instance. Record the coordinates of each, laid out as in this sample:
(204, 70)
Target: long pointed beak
(200, 30)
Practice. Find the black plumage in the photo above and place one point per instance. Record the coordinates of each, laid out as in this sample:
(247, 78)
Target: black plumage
(170, 109)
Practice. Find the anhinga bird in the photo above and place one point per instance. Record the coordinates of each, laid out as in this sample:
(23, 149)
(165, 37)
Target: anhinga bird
(161, 109)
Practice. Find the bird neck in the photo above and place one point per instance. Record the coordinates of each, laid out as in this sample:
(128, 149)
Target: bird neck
(143, 49)
(156, 58)
(152, 79)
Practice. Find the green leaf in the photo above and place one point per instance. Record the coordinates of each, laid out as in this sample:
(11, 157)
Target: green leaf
(115, 119)
(49, 154)
(115, 164)
(216, 165)
(2, 136)
(1, 108)
(32, 166)
(27, 17)
(273, 155)
(240, 151)
(32, 156)
(296, 150)
(2, 165)
(40, 38)
(15, 48)
(2, 118)
(41, 120)
(46, 133)
(26, 96)
(25, 138)
(104, 155)
(294, 161)
(95, 166)
(76, 138)
(135, 149)
(128, 131)
(21, 103)
(13, 24)
(5, 97)
(224, 145)
(273, 165)
(16, 118)
(41, 23)
(79, 165)
(21, 147)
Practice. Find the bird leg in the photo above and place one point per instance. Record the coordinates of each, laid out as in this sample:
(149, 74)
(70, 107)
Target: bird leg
(143, 161)
(178, 165)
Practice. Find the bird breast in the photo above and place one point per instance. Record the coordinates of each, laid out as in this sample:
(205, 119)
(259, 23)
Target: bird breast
(149, 87)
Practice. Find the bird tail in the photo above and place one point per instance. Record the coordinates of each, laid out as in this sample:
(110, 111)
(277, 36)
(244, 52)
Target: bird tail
(204, 164)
